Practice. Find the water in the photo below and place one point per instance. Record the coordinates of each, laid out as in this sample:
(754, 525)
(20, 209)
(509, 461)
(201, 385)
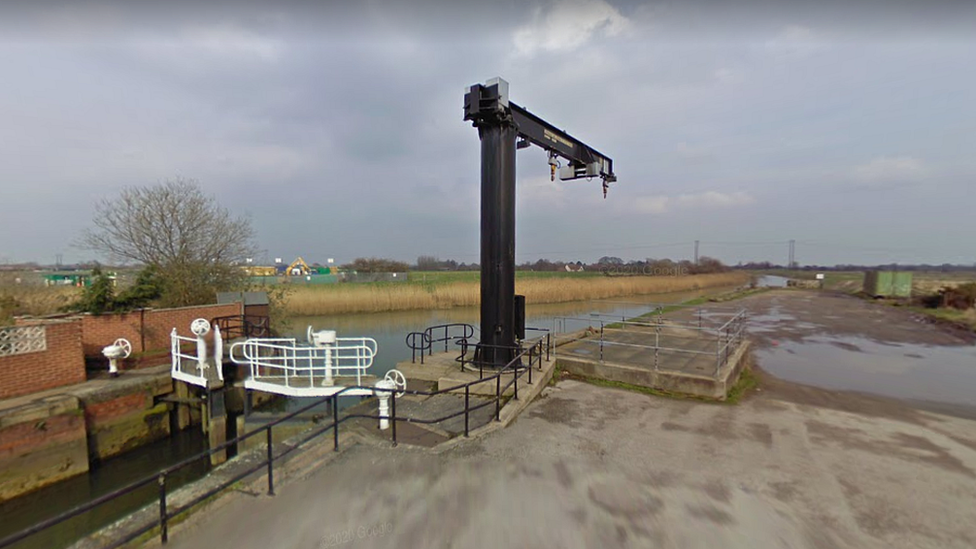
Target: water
(771, 281)
(105, 477)
(945, 374)
(863, 350)
(390, 329)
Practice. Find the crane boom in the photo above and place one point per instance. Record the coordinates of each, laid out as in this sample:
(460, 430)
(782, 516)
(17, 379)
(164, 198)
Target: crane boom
(584, 161)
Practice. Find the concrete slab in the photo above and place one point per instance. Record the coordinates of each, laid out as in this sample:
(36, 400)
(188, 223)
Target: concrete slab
(675, 359)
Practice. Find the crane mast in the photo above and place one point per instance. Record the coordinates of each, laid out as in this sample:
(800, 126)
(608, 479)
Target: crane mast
(504, 127)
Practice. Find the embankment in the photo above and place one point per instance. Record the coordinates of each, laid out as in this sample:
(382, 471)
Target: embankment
(371, 298)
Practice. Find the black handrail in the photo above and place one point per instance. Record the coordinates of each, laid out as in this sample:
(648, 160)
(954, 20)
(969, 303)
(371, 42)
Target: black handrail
(425, 344)
(427, 338)
(514, 367)
(234, 326)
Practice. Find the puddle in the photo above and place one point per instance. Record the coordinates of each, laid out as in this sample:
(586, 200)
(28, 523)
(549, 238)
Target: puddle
(945, 374)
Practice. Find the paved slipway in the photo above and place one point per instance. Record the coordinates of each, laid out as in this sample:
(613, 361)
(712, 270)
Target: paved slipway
(585, 466)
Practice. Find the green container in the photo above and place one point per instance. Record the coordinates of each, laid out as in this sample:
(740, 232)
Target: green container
(888, 284)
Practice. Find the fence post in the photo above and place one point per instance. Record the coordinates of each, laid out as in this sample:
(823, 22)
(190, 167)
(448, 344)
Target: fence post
(548, 345)
(515, 377)
(498, 396)
(163, 522)
(335, 422)
(601, 341)
(270, 464)
(393, 400)
(657, 346)
(467, 392)
(531, 349)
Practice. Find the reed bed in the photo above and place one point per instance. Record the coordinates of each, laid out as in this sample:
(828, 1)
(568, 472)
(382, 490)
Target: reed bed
(33, 300)
(379, 297)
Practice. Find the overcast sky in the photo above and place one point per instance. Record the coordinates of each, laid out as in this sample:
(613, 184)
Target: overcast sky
(849, 127)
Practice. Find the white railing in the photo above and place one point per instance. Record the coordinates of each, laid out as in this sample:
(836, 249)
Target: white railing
(192, 368)
(282, 366)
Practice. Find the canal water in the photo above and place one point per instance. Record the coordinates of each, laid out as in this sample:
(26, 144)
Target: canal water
(388, 329)
(109, 475)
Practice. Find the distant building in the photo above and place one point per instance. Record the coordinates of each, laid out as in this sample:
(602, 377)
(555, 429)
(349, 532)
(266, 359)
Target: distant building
(78, 279)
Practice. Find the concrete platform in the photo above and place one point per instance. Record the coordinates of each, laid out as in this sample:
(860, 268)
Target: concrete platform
(678, 360)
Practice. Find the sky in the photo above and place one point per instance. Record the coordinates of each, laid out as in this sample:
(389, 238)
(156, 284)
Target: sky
(336, 127)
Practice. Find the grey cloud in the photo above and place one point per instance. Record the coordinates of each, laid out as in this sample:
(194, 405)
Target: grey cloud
(340, 131)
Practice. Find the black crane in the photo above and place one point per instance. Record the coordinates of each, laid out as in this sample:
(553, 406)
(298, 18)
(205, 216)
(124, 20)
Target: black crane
(504, 126)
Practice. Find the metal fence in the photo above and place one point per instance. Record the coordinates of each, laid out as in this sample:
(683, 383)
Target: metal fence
(521, 366)
(693, 332)
(424, 341)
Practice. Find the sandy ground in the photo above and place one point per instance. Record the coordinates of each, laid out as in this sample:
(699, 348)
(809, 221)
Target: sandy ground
(584, 466)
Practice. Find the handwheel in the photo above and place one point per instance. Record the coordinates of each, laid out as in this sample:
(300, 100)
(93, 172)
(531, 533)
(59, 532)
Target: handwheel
(398, 379)
(125, 346)
(200, 327)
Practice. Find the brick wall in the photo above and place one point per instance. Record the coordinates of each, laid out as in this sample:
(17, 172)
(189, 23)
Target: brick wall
(22, 437)
(61, 363)
(147, 329)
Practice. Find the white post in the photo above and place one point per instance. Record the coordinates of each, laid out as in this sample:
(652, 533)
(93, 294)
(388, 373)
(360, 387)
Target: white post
(384, 399)
(201, 351)
(328, 367)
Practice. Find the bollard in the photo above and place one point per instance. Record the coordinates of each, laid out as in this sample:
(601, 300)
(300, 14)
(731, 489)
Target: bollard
(385, 387)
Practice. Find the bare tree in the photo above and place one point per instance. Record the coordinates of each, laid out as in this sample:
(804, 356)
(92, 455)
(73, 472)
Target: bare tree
(193, 242)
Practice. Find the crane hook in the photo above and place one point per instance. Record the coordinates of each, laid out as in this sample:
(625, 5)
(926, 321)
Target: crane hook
(553, 163)
(606, 187)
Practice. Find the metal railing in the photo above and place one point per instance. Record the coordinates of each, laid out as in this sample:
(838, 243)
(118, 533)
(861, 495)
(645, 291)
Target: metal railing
(515, 369)
(235, 326)
(681, 338)
(469, 361)
(192, 368)
(442, 333)
(282, 366)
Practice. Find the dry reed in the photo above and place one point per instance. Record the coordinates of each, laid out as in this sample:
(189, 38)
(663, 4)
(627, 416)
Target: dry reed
(371, 298)
(33, 300)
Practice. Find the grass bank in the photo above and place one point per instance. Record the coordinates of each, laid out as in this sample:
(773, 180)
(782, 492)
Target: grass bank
(963, 319)
(445, 294)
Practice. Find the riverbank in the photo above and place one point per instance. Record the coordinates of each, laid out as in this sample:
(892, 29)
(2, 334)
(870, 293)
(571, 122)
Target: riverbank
(381, 297)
